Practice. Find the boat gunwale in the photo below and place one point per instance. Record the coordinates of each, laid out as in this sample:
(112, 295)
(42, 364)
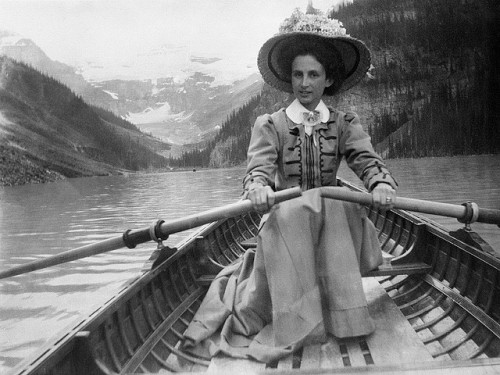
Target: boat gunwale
(411, 368)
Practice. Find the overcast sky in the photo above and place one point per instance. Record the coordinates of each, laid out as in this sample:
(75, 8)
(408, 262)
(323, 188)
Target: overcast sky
(113, 30)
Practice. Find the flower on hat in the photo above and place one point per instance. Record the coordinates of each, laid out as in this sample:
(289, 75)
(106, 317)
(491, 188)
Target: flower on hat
(318, 23)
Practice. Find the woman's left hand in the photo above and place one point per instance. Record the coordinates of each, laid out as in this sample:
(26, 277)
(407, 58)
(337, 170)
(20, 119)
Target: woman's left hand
(383, 196)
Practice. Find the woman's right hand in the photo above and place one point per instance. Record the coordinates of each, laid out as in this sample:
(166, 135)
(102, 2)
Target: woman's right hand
(262, 198)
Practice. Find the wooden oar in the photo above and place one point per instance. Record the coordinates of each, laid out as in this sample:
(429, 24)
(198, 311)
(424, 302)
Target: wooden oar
(460, 212)
(131, 238)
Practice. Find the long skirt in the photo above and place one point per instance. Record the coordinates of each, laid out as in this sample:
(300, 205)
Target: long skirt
(302, 282)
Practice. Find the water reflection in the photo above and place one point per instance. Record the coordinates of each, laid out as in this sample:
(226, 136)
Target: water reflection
(37, 221)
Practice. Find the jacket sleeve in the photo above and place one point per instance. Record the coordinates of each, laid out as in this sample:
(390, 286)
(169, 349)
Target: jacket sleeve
(357, 148)
(262, 153)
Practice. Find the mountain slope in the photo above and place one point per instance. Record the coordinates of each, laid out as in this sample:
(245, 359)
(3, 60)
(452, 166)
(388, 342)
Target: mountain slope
(47, 132)
(25, 50)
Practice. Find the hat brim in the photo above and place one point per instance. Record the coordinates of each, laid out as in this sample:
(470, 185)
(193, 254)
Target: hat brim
(354, 53)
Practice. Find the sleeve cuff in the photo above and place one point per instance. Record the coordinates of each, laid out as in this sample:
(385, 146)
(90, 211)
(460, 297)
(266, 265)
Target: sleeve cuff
(251, 182)
(384, 177)
(252, 178)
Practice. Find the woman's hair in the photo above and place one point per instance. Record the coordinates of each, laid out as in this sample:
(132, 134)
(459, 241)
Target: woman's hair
(330, 58)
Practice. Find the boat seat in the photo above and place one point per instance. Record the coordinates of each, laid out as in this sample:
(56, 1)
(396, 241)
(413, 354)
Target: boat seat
(394, 342)
(387, 268)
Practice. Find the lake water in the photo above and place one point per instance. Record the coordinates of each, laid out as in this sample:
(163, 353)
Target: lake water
(37, 221)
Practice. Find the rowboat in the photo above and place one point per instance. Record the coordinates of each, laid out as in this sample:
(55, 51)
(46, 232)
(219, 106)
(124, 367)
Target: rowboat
(435, 301)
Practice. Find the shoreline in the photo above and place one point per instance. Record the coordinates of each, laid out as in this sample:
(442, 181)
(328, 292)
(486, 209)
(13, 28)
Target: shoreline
(23, 171)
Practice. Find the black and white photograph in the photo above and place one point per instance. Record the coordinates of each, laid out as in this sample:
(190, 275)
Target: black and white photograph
(249, 187)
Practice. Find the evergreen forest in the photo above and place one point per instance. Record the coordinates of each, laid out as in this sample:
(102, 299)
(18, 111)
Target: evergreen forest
(438, 60)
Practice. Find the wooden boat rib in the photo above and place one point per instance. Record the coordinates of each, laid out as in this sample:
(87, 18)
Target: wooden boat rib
(435, 300)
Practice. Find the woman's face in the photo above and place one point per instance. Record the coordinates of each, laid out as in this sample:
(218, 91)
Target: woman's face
(309, 80)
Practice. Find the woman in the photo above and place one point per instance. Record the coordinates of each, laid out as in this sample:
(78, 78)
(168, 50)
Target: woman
(303, 282)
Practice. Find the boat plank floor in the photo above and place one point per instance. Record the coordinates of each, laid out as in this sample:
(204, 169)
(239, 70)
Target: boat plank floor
(311, 357)
(227, 365)
(394, 342)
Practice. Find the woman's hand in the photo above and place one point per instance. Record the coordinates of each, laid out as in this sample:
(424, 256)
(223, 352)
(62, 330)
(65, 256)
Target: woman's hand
(383, 196)
(262, 197)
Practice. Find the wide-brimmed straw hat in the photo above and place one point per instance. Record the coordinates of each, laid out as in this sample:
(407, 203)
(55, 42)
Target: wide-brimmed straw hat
(317, 28)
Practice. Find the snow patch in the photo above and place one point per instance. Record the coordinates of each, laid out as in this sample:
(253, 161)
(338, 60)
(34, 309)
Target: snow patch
(8, 39)
(171, 61)
(156, 115)
(4, 120)
(112, 94)
(156, 91)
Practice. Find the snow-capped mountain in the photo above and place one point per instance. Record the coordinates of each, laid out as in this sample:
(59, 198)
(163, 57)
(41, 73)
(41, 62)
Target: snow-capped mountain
(191, 111)
(167, 91)
(25, 50)
(176, 61)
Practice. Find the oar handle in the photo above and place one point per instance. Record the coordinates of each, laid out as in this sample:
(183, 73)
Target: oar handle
(417, 205)
(230, 210)
(131, 238)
